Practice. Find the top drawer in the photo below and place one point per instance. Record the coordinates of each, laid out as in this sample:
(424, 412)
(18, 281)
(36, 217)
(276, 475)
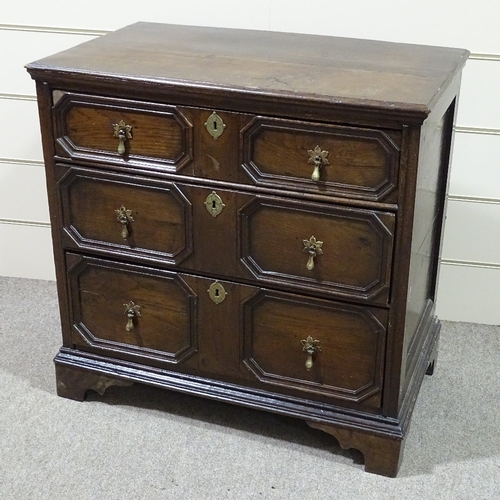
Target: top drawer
(122, 132)
(323, 159)
(276, 153)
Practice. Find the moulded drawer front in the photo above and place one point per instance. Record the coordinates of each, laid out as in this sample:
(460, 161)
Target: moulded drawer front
(122, 132)
(353, 162)
(346, 342)
(319, 247)
(130, 312)
(116, 213)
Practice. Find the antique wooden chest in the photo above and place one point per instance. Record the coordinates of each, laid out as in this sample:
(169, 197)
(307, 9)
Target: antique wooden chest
(252, 217)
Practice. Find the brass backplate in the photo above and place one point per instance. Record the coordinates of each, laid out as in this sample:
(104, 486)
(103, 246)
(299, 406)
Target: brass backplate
(214, 204)
(217, 292)
(215, 125)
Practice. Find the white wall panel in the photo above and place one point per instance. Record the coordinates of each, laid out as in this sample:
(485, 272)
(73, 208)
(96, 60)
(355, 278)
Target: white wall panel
(19, 130)
(99, 15)
(475, 168)
(469, 25)
(479, 104)
(26, 252)
(29, 46)
(470, 294)
(472, 232)
(23, 195)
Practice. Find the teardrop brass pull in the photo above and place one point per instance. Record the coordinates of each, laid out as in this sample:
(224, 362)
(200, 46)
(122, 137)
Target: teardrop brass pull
(124, 217)
(313, 248)
(132, 311)
(123, 132)
(310, 346)
(317, 157)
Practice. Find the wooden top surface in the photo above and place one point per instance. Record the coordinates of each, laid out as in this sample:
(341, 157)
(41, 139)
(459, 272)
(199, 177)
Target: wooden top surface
(341, 70)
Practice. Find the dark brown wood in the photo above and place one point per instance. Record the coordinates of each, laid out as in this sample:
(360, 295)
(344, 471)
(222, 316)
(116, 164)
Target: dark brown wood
(161, 223)
(271, 232)
(356, 246)
(382, 454)
(165, 326)
(217, 159)
(385, 114)
(406, 77)
(44, 98)
(73, 383)
(351, 340)
(362, 163)
(160, 136)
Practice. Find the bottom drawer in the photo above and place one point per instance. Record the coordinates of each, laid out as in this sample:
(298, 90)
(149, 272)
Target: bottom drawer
(264, 339)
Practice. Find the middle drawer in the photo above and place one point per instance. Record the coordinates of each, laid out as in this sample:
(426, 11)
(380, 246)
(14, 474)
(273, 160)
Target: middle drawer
(315, 247)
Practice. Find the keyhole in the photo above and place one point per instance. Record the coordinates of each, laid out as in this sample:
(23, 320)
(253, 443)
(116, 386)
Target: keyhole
(216, 292)
(215, 125)
(213, 205)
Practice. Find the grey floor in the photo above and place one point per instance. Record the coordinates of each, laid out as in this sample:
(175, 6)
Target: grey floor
(144, 443)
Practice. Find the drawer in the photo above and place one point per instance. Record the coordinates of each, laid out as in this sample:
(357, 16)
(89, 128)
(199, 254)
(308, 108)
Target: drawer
(315, 346)
(129, 312)
(228, 331)
(122, 132)
(324, 159)
(124, 215)
(318, 247)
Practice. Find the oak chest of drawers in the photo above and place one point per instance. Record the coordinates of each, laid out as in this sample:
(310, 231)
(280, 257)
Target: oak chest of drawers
(252, 217)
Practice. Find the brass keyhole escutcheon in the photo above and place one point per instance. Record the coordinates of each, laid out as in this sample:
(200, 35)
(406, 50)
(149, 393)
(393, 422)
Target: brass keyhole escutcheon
(217, 292)
(214, 204)
(215, 125)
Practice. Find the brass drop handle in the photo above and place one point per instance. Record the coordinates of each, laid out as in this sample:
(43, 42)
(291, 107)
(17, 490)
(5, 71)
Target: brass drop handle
(310, 346)
(318, 158)
(123, 132)
(132, 311)
(313, 247)
(124, 217)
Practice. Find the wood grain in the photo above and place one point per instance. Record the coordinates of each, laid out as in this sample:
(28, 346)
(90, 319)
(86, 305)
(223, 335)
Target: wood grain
(161, 215)
(361, 162)
(160, 136)
(357, 246)
(367, 73)
(349, 364)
